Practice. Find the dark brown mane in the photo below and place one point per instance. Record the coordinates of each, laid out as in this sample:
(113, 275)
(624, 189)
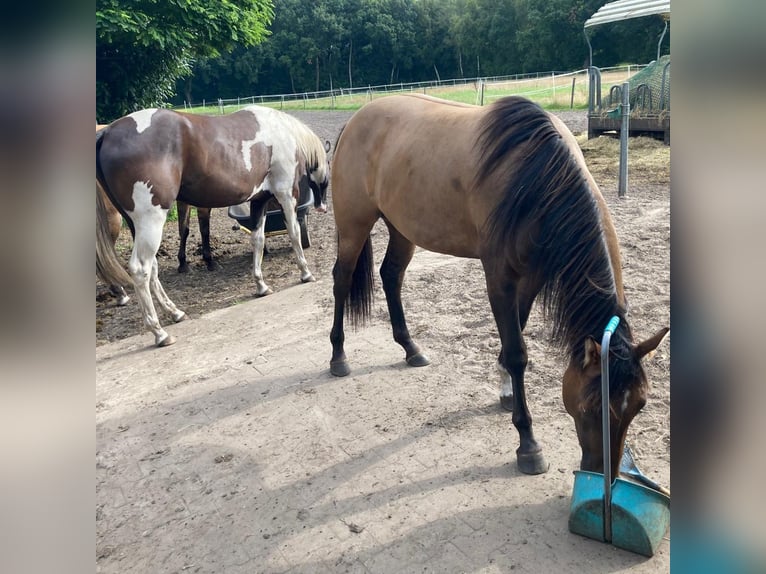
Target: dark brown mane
(548, 193)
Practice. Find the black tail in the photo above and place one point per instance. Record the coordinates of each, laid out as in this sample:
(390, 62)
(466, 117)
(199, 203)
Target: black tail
(360, 294)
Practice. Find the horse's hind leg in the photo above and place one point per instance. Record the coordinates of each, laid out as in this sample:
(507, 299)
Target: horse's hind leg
(118, 291)
(398, 256)
(148, 226)
(503, 294)
(352, 285)
(162, 298)
(203, 216)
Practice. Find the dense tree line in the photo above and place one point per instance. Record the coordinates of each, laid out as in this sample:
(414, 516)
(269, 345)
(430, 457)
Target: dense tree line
(150, 52)
(342, 43)
(144, 46)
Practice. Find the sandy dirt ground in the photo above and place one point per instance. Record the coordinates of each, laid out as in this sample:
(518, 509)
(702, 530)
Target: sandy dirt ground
(235, 450)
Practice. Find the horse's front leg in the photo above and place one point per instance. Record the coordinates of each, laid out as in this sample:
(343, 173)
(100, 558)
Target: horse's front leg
(294, 232)
(183, 210)
(258, 239)
(512, 362)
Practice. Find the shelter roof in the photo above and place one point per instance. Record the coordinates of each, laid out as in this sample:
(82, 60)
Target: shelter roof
(626, 9)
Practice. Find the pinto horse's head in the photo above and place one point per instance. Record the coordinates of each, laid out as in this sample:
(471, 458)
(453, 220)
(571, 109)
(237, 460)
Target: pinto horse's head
(628, 391)
(319, 179)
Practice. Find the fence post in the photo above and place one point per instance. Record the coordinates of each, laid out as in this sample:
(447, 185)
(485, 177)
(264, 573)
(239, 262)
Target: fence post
(571, 99)
(624, 133)
(553, 81)
(481, 89)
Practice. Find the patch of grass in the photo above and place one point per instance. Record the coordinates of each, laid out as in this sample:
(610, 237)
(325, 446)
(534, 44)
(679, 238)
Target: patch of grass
(552, 93)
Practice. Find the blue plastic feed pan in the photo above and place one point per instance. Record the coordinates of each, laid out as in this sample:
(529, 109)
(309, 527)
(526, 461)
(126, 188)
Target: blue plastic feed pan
(640, 516)
(629, 515)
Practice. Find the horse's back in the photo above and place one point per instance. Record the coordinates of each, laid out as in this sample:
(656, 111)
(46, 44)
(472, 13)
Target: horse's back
(411, 158)
(196, 158)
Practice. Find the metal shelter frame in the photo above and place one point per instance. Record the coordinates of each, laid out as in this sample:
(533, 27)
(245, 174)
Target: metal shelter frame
(616, 12)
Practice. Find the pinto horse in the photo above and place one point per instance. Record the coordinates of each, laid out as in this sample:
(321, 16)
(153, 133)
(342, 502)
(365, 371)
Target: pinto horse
(148, 159)
(114, 223)
(506, 184)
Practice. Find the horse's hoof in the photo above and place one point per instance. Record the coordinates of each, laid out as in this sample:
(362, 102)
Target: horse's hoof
(532, 463)
(183, 268)
(213, 266)
(181, 317)
(308, 279)
(339, 368)
(506, 402)
(122, 301)
(418, 360)
(167, 341)
(262, 292)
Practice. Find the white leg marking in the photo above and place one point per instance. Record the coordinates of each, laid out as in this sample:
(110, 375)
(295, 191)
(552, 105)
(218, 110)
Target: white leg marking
(258, 239)
(162, 298)
(506, 386)
(287, 201)
(143, 118)
(625, 401)
(148, 220)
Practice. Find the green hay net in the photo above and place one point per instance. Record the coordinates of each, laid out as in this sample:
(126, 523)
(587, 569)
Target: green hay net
(646, 88)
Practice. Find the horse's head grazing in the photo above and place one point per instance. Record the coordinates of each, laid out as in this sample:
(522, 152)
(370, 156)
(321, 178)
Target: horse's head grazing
(319, 179)
(582, 397)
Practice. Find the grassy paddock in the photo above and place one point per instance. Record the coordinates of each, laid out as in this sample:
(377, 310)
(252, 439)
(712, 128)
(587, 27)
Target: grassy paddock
(551, 92)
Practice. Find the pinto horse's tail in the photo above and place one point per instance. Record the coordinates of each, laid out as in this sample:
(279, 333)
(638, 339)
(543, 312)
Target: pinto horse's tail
(108, 267)
(360, 294)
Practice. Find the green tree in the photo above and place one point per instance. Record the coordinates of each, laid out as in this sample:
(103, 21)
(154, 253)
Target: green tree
(144, 46)
(484, 32)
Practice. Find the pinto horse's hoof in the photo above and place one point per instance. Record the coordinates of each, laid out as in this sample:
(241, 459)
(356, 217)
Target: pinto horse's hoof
(308, 279)
(339, 368)
(268, 291)
(167, 341)
(181, 317)
(506, 402)
(418, 360)
(532, 463)
(213, 266)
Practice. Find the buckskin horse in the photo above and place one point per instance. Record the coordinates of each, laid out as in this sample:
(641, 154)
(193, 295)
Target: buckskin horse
(506, 184)
(148, 159)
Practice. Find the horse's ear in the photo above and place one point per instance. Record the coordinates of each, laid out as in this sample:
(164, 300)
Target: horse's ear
(647, 348)
(327, 146)
(592, 359)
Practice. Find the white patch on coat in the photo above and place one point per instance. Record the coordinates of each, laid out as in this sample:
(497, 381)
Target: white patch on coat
(143, 118)
(272, 133)
(246, 147)
(144, 211)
